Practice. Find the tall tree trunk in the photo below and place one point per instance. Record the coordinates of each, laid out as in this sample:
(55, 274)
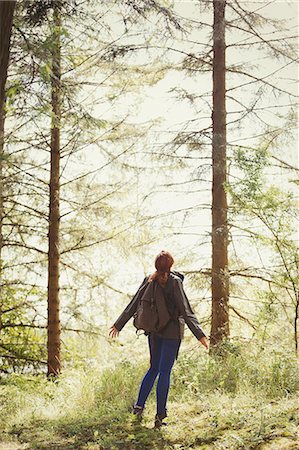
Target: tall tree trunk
(54, 329)
(6, 17)
(220, 277)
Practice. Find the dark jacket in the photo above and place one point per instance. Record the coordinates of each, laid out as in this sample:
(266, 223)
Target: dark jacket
(178, 306)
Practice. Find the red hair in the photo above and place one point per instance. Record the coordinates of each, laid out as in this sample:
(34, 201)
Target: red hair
(163, 264)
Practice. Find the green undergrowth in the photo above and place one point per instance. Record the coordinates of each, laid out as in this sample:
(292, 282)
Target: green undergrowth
(273, 373)
(245, 400)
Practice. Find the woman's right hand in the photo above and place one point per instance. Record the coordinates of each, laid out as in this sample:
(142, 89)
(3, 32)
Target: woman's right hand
(113, 333)
(204, 342)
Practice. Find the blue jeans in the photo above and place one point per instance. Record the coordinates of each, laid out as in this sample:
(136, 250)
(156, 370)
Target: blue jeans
(163, 354)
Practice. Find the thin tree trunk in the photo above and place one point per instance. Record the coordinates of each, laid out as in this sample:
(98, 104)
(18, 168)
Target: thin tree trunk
(54, 328)
(296, 324)
(6, 18)
(220, 277)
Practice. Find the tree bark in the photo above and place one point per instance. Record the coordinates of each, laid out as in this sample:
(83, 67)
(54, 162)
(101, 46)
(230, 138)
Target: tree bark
(6, 19)
(6, 16)
(296, 324)
(54, 327)
(220, 277)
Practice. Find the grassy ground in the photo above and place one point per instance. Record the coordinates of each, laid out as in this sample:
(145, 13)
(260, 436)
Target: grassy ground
(243, 402)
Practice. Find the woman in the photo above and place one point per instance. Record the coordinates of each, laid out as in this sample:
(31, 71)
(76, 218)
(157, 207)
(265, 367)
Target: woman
(163, 345)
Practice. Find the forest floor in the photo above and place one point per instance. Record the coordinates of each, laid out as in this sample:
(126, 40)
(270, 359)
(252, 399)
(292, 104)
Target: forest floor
(217, 422)
(247, 401)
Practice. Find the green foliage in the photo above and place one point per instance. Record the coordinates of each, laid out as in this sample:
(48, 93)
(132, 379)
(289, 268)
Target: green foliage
(252, 163)
(124, 379)
(270, 211)
(22, 345)
(45, 72)
(12, 92)
(255, 197)
(272, 374)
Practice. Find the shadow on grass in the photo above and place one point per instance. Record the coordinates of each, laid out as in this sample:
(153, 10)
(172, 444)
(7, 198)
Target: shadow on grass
(96, 433)
(90, 433)
(116, 434)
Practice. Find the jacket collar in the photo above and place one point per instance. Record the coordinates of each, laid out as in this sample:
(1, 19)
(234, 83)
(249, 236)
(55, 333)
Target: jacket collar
(178, 275)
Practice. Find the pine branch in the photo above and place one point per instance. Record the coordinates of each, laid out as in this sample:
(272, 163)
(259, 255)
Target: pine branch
(243, 15)
(22, 245)
(245, 319)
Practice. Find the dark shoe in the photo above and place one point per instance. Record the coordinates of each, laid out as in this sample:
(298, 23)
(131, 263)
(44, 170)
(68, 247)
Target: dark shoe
(138, 411)
(159, 420)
